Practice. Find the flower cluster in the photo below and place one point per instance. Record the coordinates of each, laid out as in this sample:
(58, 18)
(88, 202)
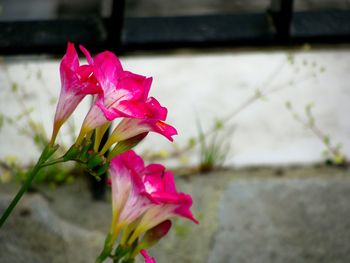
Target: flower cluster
(144, 197)
(117, 94)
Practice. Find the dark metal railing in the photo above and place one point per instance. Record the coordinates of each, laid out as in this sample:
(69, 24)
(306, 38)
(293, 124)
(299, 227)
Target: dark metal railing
(279, 25)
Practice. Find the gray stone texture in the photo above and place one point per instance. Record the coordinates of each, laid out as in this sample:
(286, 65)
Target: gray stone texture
(263, 215)
(289, 221)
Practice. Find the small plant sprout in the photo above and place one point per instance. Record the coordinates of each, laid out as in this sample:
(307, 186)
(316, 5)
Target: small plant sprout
(332, 152)
(214, 148)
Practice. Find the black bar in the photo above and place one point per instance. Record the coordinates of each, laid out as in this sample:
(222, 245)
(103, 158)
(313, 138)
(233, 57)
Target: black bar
(154, 33)
(321, 27)
(195, 31)
(115, 25)
(50, 36)
(281, 13)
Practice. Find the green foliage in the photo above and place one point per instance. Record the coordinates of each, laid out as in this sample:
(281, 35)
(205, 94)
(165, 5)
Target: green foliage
(213, 148)
(2, 120)
(26, 125)
(219, 124)
(181, 228)
(192, 142)
(332, 153)
(14, 87)
(290, 58)
(53, 175)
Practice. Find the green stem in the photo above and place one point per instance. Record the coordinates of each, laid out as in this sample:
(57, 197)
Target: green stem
(58, 160)
(46, 154)
(109, 242)
(108, 246)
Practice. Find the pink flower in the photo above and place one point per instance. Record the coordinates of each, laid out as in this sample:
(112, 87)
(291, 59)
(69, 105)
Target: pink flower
(146, 193)
(147, 258)
(124, 94)
(168, 202)
(153, 121)
(76, 82)
(129, 196)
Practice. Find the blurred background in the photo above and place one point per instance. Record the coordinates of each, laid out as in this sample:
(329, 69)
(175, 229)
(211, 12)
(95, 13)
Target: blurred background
(258, 91)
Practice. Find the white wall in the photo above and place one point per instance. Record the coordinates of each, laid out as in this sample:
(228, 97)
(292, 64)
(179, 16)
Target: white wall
(212, 85)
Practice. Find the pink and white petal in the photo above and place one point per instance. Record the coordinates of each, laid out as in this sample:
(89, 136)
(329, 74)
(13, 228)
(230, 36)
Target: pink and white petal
(184, 210)
(131, 109)
(67, 103)
(88, 81)
(133, 161)
(129, 197)
(138, 86)
(87, 54)
(107, 68)
(137, 203)
(164, 129)
(155, 110)
(153, 183)
(169, 182)
(154, 168)
(121, 185)
(94, 119)
(126, 183)
(70, 59)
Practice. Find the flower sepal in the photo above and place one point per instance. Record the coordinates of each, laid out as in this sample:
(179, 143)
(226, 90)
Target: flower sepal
(95, 160)
(126, 145)
(121, 251)
(73, 153)
(102, 169)
(152, 236)
(47, 153)
(125, 253)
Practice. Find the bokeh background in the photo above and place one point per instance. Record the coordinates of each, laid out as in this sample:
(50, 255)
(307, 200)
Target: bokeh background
(258, 91)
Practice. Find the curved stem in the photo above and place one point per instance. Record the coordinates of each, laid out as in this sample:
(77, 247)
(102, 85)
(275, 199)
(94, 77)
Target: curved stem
(108, 246)
(46, 154)
(109, 242)
(20, 193)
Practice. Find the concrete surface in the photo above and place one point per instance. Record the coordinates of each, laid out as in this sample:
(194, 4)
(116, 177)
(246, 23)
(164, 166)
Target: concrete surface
(253, 215)
(35, 234)
(294, 220)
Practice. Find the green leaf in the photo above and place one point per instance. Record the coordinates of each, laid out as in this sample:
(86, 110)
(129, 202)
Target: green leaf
(326, 140)
(288, 104)
(2, 120)
(192, 142)
(290, 57)
(14, 87)
(219, 124)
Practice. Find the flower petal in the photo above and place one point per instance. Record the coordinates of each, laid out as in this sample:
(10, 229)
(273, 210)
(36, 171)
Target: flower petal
(76, 82)
(129, 197)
